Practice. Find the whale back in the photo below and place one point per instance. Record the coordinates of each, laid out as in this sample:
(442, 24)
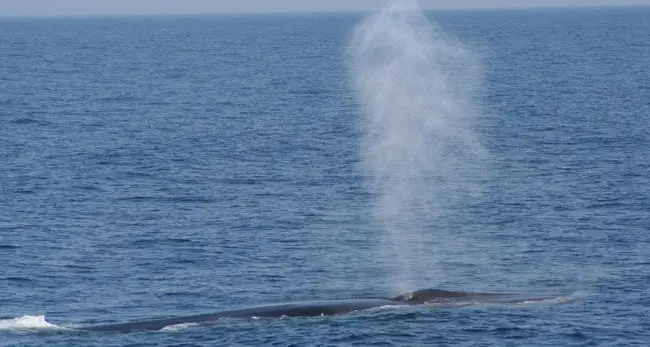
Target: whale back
(432, 294)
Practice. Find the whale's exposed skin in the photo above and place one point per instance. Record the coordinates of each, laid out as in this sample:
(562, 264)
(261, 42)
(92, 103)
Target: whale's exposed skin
(324, 308)
(309, 308)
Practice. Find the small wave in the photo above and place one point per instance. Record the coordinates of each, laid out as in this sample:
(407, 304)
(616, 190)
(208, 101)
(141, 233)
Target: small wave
(312, 91)
(28, 323)
(21, 121)
(17, 279)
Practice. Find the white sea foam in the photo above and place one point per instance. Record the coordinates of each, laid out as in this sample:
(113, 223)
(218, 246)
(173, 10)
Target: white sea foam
(177, 327)
(557, 300)
(28, 323)
(386, 308)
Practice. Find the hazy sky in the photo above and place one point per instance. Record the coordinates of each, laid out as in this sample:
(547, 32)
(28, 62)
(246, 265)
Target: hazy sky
(85, 7)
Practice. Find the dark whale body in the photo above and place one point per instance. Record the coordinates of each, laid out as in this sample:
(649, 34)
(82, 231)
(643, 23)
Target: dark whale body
(325, 308)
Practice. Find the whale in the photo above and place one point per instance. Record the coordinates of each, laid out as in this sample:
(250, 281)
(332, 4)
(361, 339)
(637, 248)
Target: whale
(429, 296)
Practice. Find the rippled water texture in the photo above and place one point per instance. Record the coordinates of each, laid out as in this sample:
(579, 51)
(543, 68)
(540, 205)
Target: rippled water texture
(156, 166)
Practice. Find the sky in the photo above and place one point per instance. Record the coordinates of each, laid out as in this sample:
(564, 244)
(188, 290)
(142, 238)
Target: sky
(122, 7)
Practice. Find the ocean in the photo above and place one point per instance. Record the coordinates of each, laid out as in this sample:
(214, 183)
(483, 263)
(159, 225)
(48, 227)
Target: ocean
(154, 166)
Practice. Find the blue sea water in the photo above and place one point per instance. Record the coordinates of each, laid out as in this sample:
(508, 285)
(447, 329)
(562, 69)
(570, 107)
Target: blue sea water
(174, 165)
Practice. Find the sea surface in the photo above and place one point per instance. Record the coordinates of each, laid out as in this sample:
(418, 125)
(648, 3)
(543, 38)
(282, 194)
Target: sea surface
(176, 165)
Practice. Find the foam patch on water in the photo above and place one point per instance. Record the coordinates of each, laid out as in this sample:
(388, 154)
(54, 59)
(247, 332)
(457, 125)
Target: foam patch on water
(177, 327)
(28, 323)
(556, 300)
(384, 308)
(560, 299)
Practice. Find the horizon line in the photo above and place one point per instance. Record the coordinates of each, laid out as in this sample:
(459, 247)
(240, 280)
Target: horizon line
(334, 11)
